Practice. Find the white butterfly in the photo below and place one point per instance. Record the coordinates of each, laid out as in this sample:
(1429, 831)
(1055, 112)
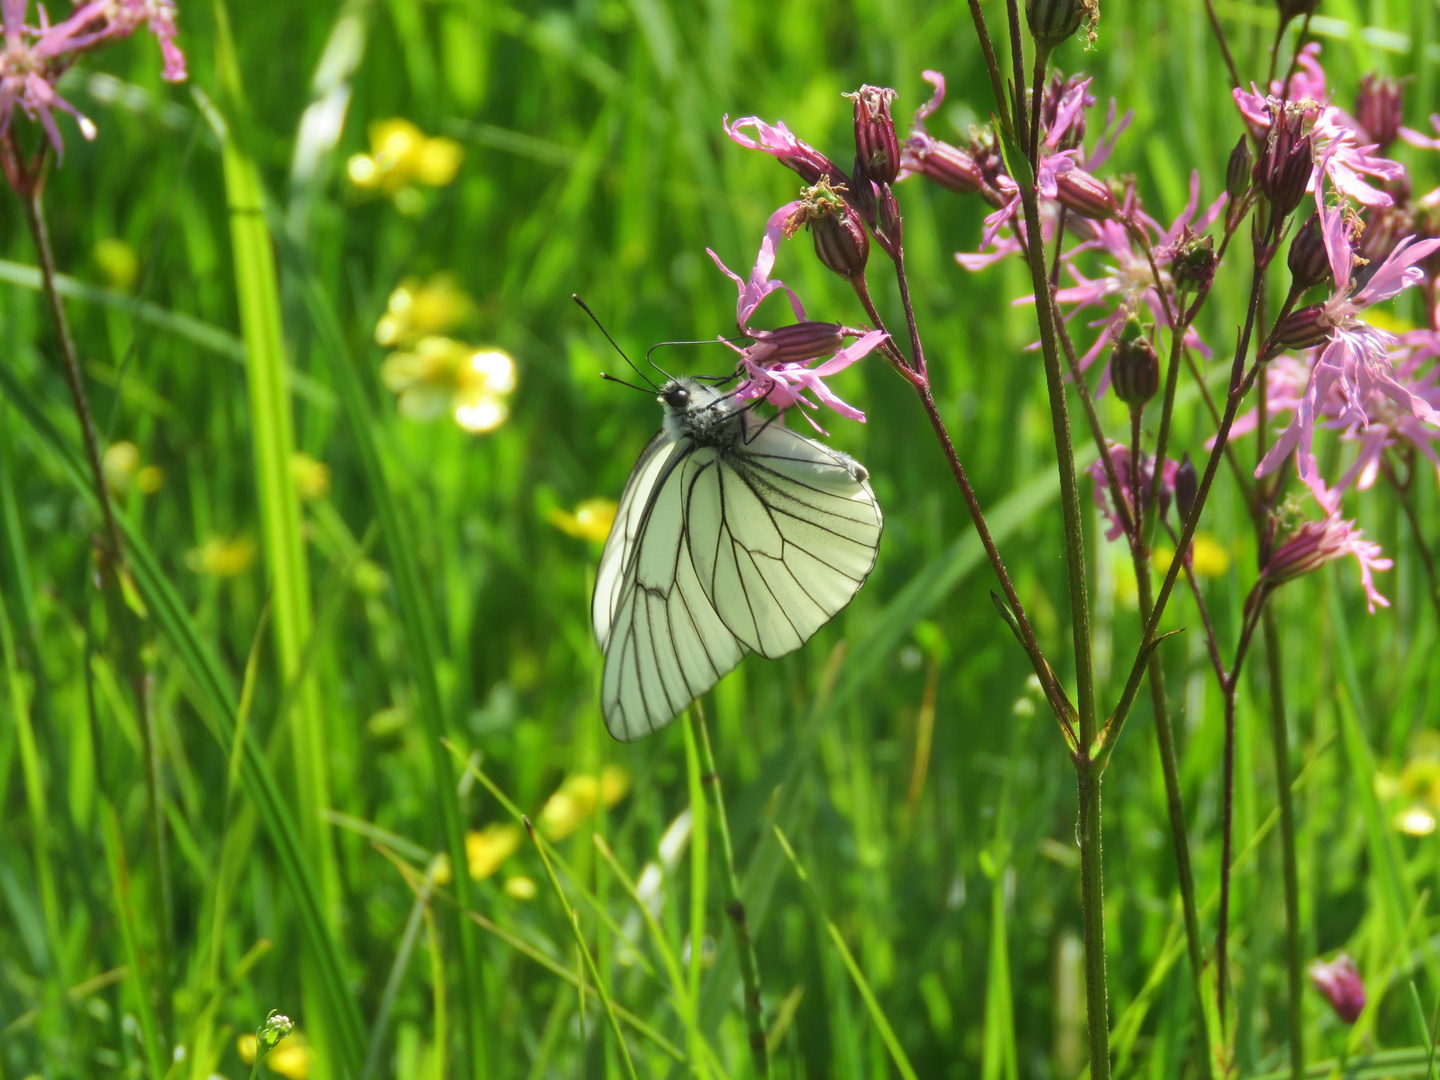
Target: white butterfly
(733, 535)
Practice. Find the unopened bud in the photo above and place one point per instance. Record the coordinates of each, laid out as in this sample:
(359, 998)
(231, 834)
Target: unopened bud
(946, 165)
(1294, 9)
(1187, 486)
(1237, 170)
(1302, 329)
(1380, 109)
(796, 343)
(887, 221)
(1134, 366)
(1193, 268)
(1053, 21)
(1308, 260)
(1340, 982)
(841, 242)
(877, 147)
(1085, 195)
(861, 195)
(269, 1034)
(1283, 171)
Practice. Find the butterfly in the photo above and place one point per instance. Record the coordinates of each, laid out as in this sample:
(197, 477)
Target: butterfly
(734, 535)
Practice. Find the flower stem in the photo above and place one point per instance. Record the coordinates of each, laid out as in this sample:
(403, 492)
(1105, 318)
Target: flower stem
(1279, 736)
(734, 905)
(125, 623)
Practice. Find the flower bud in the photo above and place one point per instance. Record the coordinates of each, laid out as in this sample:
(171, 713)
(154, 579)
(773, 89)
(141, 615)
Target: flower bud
(887, 221)
(1085, 194)
(1294, 9)
(1308, 260)
(1380, 109)
(1134, 366)
(1301, 329)
(841, 242)
(1237, 171)
(1340, 982)
(1193, 268)
(1053, 21)
(860, 193)
(946, 165)
(269, 1034)
(877, 147)
(1187, 486)
(1283, 171)
(796, 343)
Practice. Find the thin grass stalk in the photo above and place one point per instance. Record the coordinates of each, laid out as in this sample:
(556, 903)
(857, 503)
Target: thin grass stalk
(216, 705)
(1294, 959)
(573, 918)
(151, 1039)
(699, 858)
(734, 905)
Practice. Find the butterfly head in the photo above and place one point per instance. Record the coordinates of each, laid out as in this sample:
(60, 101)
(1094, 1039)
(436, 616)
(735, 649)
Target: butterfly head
(700, 412)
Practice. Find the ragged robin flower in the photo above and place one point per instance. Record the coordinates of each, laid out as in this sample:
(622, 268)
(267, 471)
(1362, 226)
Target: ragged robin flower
(440, 374)
(1340, 982)
(1316, 543)
(36, 56)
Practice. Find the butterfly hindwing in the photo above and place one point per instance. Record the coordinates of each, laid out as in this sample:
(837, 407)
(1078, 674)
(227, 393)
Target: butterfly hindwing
(666, 645)
(783, 533)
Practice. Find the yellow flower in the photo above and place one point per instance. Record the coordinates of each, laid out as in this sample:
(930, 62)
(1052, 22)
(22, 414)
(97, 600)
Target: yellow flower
(439, 869)
(222, 558)
(520, 887)
(488, 848)
(1415, 821)
(590, 521)
(290, 1058)
(401, 154)
(442, 374)
(311, 477)
(150, 479)
(118, 262)
(578, 797)
(121, 464)
(614, 785)
(1207, 557)
(417, 309)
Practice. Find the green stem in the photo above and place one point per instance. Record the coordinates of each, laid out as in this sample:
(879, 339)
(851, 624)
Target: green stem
(699, 858)
(734, 905)
(1280, 738)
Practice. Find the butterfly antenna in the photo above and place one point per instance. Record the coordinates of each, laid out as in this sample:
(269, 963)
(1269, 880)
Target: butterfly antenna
(586, 308)
(705, 341)
(611, 378)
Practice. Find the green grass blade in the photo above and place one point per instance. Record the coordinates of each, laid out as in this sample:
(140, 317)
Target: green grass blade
(877, 1014)
(217, 700)
(150, 1037)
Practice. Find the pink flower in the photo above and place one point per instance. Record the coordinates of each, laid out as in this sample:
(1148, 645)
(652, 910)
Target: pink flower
(1316, 543)
(1415, 138)
(34, 58)
(779, 143)
(775, 366)
(1340, 982)
(1120, 458)
(1356, 362)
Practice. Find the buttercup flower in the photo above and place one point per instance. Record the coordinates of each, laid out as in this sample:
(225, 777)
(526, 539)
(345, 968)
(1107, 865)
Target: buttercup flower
(418, 308)
(590, 521)
(401, 155)
(441, 374)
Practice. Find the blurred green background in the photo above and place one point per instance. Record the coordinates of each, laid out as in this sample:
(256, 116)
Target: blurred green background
(902, 751)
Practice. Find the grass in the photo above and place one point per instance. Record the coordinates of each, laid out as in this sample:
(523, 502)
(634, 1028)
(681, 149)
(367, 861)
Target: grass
(403, 658)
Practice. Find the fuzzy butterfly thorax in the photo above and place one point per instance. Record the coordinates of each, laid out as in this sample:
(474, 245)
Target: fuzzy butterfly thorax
(703, 414)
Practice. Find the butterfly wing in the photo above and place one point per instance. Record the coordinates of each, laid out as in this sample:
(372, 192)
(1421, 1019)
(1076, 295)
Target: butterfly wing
(664, 643)
(782, 533)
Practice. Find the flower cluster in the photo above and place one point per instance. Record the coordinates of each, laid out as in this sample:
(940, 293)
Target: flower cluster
(402, 156)
(432, 373)
(1327, 365)
(36, 55)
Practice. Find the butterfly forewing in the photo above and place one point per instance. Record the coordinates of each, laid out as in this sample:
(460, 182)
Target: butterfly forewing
(620, 544)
